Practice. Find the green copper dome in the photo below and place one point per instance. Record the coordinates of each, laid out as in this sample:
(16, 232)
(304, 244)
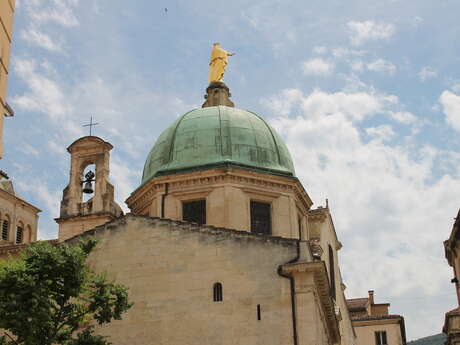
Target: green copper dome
(218, 136)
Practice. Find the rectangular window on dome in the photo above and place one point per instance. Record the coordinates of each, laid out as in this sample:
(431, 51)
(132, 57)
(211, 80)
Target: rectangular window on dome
(261, 218)
(194, 211)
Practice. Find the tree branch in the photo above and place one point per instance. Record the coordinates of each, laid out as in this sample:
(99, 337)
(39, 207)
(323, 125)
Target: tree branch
(13, 340)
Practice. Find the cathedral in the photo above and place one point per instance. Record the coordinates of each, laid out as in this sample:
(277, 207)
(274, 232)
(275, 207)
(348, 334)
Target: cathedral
(221, 245)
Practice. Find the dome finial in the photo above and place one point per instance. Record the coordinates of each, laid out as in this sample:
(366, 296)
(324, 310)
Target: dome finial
(217, 93)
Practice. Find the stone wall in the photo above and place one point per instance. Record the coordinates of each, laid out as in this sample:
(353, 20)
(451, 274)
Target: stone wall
(170, 268)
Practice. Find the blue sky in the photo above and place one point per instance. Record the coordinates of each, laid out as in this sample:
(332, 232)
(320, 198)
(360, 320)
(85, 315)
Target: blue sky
(366, 95)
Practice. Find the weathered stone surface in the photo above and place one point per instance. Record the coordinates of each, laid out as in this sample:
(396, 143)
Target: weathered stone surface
(170, 268)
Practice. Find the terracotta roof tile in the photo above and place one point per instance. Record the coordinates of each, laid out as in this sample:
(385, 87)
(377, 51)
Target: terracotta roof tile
(375, 317)
(357, 303)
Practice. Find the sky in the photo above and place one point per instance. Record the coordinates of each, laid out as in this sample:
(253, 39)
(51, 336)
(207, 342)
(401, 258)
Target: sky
(366, 95)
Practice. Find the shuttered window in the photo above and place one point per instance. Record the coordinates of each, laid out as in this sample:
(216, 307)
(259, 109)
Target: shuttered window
(19, 234)
(5, 227)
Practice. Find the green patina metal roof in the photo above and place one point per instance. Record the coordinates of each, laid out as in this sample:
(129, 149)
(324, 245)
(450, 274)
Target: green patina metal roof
(218, 136)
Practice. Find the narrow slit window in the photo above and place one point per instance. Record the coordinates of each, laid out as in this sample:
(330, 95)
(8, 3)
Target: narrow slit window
(194, 211)
(217, 292)
(261, 218)
(259, 315)
(5, 227)
(19, 234)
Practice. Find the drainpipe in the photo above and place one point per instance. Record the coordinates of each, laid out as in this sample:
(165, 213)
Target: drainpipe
(292, 283)
(163, 199)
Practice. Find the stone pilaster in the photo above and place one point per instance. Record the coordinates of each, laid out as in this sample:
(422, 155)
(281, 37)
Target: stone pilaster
(316, 322)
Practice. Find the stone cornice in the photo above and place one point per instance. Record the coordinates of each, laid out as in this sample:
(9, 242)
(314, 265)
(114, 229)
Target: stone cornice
(178, 225)
(15, 248)
(318, 269)
(143, 196)
(79, 144)
(85, 217)
(376, 321)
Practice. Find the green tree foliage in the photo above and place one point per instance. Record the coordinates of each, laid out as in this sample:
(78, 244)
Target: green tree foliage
(50, 296)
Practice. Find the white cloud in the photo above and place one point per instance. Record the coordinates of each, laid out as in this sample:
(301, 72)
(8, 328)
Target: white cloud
(381, 133)
(378, 189)
(404, 117)
(417, 21)
(354, 106)
(320, 50)
(29, 150)
(283, 103)
(42, 193)
(318, 66)
(451, 106)
(427, 73)
(40, 39)
(456, 87)
(344, 52)
(369, 31)
(40, 14)
(381, 66)
(123, 177)
(44, 95)
(56, 11)
(357, 65)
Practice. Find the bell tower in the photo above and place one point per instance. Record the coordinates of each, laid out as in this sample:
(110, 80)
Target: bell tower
(77, 213)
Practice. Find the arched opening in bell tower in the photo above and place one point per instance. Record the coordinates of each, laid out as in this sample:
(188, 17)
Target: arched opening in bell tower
(88, 182)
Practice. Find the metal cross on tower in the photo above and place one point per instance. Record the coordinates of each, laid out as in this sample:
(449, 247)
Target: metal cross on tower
(90, 125)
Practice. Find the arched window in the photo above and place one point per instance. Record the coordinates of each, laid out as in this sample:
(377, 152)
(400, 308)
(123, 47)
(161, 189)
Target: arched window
(20, 233)
(332, 272)
(5, 229)
(217, 291)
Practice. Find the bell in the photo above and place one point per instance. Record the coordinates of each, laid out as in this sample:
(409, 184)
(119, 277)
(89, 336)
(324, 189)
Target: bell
(88, 188)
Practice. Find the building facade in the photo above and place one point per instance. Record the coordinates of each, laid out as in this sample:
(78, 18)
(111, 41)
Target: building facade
(373, 324)
(6, 35)
(452, 250)
(18, 218)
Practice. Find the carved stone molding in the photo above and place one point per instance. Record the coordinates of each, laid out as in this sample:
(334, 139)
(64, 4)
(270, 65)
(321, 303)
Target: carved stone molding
(144, 195)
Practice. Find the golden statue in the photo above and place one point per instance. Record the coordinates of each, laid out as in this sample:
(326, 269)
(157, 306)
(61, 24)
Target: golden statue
(218, 63)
